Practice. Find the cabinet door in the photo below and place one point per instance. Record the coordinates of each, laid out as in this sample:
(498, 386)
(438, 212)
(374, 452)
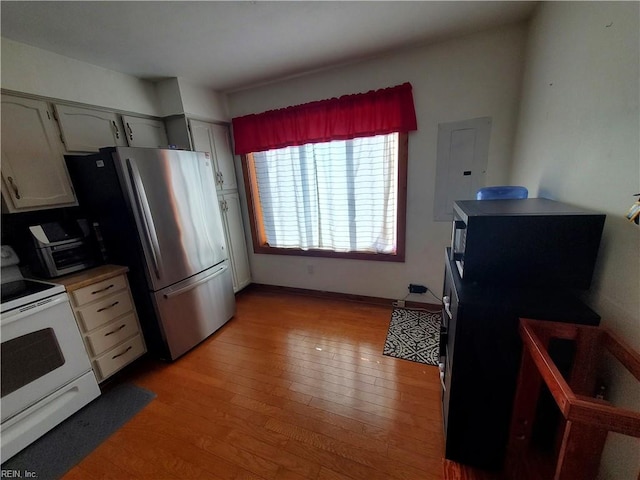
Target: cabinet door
(236, 244)
(214, 139)
(224, 156)
(87, 130)
(34, 174)
(202, 141)
(145, 132)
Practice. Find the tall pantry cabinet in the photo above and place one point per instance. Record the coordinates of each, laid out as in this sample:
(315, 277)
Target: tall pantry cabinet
(215, 139)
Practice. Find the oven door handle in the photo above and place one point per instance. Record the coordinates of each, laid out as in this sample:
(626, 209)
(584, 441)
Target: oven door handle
(28, 310)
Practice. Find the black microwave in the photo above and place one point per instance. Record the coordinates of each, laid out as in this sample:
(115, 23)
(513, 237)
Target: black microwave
(532, 242)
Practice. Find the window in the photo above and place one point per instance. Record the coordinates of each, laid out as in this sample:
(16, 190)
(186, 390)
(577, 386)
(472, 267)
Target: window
(344, 198)
(328, 178)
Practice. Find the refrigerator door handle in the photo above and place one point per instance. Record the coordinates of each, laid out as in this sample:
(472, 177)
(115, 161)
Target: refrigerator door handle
(145, 214)
(193, 285)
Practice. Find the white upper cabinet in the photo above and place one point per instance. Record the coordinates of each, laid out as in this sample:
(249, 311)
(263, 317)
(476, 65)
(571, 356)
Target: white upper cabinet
(224, 156)
(214, 138)
(145, 132)
(34, 175)
(88, 130)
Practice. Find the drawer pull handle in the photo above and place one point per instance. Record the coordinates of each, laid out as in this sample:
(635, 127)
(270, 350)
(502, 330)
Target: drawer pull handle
(103, 289)
(116, 330)
(107, 308)
(120, 354)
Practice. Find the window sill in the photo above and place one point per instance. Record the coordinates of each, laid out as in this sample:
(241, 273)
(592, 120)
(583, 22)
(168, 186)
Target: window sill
(379, 257)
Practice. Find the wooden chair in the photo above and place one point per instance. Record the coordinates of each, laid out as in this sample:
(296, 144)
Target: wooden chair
(585, 420)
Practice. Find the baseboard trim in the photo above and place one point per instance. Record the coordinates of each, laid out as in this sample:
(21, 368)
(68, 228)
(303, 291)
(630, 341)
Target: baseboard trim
(387, 302)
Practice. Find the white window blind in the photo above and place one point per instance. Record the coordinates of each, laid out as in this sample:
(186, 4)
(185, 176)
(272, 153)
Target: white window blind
(339, 196)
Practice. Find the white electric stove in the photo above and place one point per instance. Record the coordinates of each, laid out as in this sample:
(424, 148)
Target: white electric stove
(46, 374)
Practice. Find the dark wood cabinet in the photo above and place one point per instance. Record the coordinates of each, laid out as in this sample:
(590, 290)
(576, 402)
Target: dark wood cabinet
(481, 357)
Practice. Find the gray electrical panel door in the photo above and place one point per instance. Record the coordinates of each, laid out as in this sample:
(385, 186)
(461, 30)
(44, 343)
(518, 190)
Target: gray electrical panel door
(463, 151)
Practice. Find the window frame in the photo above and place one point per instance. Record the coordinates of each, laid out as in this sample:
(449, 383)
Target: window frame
(258, 235)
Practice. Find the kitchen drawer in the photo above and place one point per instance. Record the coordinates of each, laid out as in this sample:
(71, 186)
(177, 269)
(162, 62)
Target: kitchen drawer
(115, 359)
(112, 334)
(103, 311)
(98, 290)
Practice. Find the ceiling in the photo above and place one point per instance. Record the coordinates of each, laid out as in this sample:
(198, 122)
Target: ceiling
(233, 45)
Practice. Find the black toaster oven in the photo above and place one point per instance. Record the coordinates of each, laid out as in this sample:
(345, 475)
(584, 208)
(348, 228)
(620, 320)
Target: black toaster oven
(63, 247)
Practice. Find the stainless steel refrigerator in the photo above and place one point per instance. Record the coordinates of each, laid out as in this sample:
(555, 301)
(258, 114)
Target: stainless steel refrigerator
(157, 212)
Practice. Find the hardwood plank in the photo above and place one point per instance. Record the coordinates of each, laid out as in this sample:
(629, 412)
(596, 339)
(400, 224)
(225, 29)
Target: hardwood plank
(112, 470)
(327, 474)
(391, 465)
(138, 466)
(284, 474)
(294, 387)
(286, 461)
(455, 471)
(77, 473)
(336, 428)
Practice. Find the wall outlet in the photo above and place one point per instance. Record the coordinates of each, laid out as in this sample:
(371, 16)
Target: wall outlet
(413, 288)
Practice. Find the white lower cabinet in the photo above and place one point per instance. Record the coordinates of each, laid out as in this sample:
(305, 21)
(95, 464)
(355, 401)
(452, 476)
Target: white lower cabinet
(107, 319)
(236, 243)
(119, 357)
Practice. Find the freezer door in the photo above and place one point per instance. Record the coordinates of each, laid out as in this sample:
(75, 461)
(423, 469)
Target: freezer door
(192, 310)
(173, 198)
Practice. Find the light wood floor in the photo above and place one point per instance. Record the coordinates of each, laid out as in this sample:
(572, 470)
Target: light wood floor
(293, 387)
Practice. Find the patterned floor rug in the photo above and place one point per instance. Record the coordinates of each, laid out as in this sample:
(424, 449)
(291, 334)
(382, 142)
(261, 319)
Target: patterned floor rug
(413, 335)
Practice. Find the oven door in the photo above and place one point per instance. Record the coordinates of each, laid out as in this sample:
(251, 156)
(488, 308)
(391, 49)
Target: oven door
(41, 351)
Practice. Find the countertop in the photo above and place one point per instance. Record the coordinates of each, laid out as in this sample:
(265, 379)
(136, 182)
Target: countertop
(79, 280)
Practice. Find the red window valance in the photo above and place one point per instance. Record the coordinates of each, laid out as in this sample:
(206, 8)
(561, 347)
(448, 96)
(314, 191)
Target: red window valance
(377, 112)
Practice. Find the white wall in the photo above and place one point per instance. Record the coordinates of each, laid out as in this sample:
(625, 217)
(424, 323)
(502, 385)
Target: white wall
(578, 142)
(178, 96)
(33, 70)
(169, 97)
(202, 102)
(473, 76)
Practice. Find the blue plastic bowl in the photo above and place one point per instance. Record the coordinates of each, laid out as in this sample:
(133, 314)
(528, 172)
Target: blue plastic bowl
(502, 192)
